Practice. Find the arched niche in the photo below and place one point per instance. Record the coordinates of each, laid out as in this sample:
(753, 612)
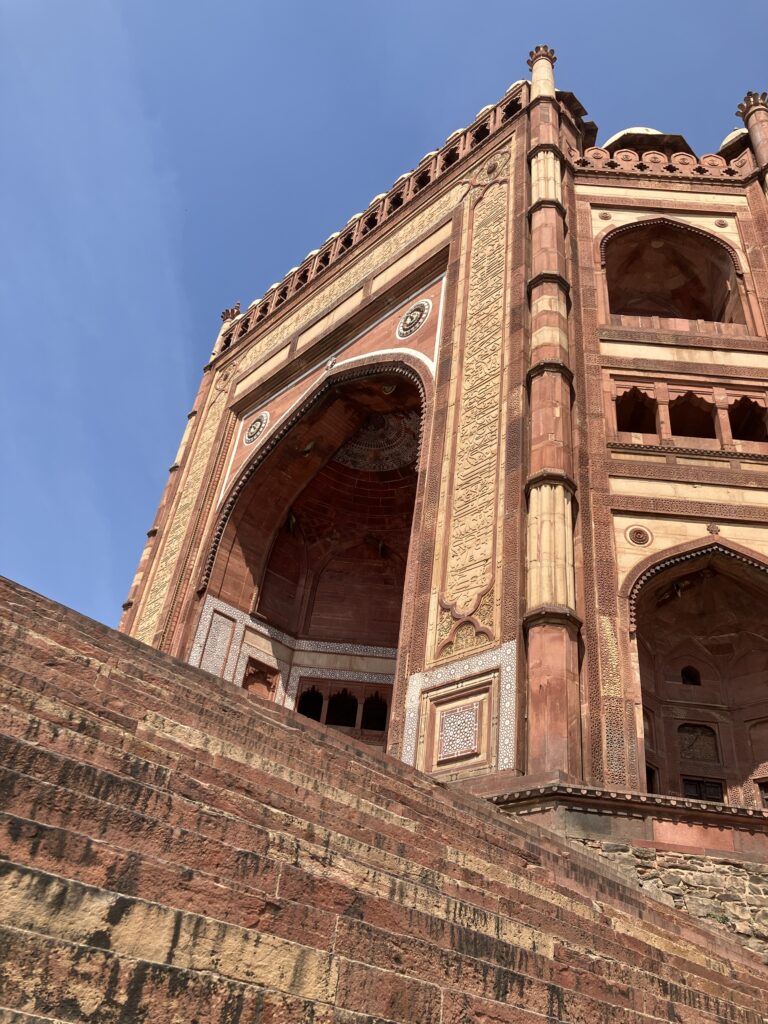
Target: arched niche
(702, 646)
(660, 268)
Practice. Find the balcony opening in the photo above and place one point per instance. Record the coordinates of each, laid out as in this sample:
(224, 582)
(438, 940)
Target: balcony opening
(342, 709)
(374, 713)
(661, 269)
(636, 412)
(450, 158)
(311, 704)
(747, 420)
(691, 416)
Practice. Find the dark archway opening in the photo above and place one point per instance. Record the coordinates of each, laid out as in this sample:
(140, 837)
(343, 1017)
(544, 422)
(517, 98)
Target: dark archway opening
(691, 416)
(748, 420)
(702, 636)
(659, 269)
(311, 704)
(636, 412)
(342, 709)
(374, 713)
(317, 546)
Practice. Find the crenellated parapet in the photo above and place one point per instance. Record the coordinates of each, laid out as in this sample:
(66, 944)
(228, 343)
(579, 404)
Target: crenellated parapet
(382, 209)
(654, 163)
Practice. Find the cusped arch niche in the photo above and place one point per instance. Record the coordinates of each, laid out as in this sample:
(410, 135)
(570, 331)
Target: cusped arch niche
(323, 512)
(698, 615)
(664, 268)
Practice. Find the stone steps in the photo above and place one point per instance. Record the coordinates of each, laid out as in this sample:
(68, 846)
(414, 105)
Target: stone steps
(174, 849)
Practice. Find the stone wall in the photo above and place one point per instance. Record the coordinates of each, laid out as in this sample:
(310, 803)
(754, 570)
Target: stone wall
(728, 894)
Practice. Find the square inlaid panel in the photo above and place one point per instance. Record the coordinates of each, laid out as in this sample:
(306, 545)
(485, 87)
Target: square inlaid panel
(460, 722)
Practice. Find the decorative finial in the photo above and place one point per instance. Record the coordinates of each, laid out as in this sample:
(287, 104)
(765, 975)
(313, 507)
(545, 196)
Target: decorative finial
(541, 51)
(750, 103)
(230, 314)
(713, 528)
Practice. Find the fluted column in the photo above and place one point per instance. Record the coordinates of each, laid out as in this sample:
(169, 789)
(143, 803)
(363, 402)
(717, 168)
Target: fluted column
(551, 622)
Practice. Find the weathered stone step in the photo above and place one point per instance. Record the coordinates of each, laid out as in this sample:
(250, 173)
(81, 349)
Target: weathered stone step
(96, 986)
(576, 929)
(105, 866)
(18, 1017)
(311, 724)
(203, 815)
(432, 808)
(115, 751)
(227, 819)
(88, 917)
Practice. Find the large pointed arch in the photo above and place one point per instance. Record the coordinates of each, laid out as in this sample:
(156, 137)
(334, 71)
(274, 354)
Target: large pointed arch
(681, 555)
(667, 222)
(661, 267)
(402, 365)
(700, 636)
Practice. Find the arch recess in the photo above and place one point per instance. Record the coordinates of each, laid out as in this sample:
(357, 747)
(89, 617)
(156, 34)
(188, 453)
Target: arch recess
(401, 366)
(667, 222)
(682, 554)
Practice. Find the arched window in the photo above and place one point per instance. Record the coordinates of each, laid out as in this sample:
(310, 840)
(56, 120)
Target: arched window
(691, 416)
(698, 743)
(748, 420)
(311, 704)
(661, 269)
(342, 709)
(690, 676)
(374, 713)
(636, 412)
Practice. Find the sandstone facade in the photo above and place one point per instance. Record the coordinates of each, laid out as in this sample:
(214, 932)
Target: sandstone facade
(482, 480)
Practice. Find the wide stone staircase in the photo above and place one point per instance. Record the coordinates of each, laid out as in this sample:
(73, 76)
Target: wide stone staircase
(173, 850)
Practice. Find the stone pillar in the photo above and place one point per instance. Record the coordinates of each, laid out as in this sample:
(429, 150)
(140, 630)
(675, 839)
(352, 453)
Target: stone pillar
(551, 623)
(753, 110)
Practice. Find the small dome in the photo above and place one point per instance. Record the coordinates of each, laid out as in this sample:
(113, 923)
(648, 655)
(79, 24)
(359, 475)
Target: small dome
(630, 131)
(642, 139)
(732, 136)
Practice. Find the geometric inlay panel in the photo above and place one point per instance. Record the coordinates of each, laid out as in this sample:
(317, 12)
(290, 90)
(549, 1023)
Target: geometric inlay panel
(459, 731)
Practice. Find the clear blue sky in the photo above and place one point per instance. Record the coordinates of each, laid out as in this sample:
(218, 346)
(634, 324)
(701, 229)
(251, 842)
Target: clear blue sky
(165, 158)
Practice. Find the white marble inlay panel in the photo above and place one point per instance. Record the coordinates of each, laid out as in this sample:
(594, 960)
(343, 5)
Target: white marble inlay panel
(502, 659)
(458, 731)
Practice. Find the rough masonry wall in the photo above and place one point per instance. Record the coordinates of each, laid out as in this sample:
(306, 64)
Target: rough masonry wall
(728, 894)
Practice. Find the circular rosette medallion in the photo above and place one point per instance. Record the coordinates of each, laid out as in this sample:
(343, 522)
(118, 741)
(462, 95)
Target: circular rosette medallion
(639, 535)
(414, 319)
(256, 428)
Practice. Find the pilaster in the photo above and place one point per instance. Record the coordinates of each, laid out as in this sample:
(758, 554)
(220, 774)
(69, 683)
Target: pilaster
(551, 622)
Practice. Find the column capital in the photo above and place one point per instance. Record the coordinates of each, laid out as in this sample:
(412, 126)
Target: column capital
(751, 103)
(541, 52)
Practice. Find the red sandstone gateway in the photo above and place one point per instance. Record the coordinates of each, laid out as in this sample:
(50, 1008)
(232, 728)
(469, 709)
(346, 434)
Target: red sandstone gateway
(469, 524)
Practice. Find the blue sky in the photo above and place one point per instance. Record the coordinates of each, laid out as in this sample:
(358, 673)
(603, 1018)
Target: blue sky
(166, 158)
